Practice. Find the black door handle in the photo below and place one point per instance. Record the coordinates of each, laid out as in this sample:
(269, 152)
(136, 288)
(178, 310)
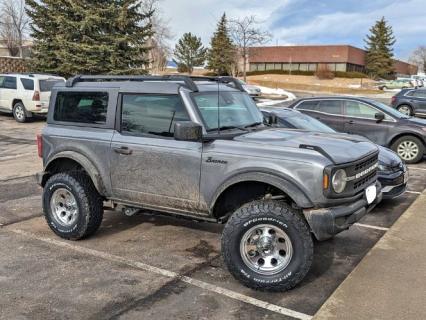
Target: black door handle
(123, 150)
(351, 122)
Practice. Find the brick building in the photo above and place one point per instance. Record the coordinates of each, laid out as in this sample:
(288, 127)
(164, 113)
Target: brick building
(309, 57)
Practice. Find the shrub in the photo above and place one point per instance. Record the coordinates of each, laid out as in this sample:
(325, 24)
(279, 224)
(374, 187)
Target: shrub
(324, 73)
(350, 74)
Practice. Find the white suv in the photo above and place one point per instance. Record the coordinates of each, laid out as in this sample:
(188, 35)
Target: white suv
(26, 94)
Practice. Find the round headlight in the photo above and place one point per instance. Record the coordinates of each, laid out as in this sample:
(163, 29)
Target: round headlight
(339, 181)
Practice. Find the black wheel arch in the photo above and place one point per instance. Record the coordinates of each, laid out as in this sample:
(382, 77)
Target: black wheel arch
(289, 189)
(73, 161)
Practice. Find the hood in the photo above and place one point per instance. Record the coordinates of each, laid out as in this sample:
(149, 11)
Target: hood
(339, 148)
(415, 121)
(388, 158)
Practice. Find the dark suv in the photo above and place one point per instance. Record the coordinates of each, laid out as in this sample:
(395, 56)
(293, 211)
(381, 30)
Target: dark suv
(198, 148)
(411, 102)
(372, 119)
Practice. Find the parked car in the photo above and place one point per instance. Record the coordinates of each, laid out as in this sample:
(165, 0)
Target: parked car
(200, 149)
(372, 119)
(411, 102)
(395, 84)
(392, 172)
(25, 95)
(252, 90)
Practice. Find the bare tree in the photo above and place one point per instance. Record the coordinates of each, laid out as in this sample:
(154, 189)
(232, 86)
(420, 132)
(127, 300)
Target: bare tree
(418, 57)
(246, 33)
(14, 24)
(159, 42)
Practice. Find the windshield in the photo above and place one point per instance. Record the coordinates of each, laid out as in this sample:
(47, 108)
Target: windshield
(227, 110)
(48, 84)
(391, 111)
(304, 122)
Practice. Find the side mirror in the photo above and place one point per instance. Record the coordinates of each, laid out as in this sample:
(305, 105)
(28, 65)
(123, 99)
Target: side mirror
(272, 119)
(379, 116)
(188, 131)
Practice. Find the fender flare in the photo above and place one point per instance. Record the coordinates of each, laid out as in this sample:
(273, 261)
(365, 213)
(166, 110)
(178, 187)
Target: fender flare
(83, 161)
(281, 183)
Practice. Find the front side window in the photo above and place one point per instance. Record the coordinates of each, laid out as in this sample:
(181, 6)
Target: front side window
(361, 110)
(28, 84)
(151, 114)
(331, 107)
(227, 110)
(7, 82)
(81, 107)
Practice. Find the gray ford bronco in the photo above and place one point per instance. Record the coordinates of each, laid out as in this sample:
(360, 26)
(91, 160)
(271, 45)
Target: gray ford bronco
(200, 148)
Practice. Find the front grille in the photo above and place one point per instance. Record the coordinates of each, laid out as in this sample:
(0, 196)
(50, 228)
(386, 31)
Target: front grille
(364, 181)
(365, 164)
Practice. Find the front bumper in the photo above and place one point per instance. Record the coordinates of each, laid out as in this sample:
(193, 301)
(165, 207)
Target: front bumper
(393, 184)
(327, 222)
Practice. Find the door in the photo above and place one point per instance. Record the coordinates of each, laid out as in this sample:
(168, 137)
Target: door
(360, 119)
(328, 111)
(149, 167)
(8, 91)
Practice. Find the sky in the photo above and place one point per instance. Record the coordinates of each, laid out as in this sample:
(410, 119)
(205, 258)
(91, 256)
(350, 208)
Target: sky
(293, 22)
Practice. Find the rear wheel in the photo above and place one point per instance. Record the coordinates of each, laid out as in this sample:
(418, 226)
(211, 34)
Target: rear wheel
(72, 206)
(267, 245)
(405, 109)
(409, 148)
(19, 112)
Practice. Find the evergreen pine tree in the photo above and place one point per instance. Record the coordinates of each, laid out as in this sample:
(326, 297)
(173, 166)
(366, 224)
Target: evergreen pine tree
(379, 62)
(221, 56)
(89, 36)
(189, 52)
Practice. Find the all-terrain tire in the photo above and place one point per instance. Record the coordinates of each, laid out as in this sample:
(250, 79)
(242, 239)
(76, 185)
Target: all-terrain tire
(397, 147)
(89, 204)
(277, 214)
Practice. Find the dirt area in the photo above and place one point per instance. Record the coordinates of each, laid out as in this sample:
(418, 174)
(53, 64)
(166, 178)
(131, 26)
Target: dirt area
(312, 83)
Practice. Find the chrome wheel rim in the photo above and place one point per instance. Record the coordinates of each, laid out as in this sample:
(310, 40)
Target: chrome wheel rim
(19, 112)
(405, 110)
(64, 207)
(408, 150)
(266, 249)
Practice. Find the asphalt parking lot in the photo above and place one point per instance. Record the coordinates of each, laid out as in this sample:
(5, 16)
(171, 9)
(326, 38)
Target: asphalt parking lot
(149, 265)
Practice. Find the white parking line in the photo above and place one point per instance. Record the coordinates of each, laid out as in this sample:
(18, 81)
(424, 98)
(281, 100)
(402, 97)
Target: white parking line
(370, 226)
(413, 192)
(416, 168)
(170, 274)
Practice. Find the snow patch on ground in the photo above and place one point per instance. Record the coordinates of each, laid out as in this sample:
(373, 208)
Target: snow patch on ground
(276, 92)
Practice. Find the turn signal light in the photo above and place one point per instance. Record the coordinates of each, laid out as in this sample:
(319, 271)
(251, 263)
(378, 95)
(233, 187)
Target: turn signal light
(325, 181)
(40, 145)
(36, 96)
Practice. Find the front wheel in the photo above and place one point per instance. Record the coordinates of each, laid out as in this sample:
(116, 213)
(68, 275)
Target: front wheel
(409, 148)
(267, 245)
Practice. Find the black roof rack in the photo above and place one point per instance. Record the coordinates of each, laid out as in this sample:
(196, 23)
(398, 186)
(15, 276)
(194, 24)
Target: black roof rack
(188, 80)
(222, 79)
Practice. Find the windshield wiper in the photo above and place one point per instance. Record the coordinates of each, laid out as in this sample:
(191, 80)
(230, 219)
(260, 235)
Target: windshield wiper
(226, 128)
(251, 125)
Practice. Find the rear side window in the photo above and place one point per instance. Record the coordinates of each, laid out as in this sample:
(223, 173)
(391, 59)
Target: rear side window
(81, 107)
(419, 94)
(48, 84)
(7, 82)
(308, 105)
(28, 84)
(331, 107)
(151, 114)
